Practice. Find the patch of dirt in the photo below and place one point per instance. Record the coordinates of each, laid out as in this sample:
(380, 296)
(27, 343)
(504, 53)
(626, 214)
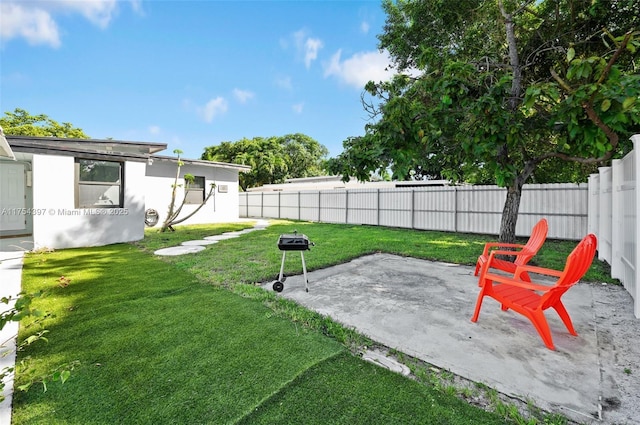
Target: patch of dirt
(618, 333)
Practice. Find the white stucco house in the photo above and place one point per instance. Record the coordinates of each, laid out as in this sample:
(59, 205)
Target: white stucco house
(65, 193)
(221, 207)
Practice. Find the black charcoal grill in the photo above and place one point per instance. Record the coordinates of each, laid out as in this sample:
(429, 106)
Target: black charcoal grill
(292, 242)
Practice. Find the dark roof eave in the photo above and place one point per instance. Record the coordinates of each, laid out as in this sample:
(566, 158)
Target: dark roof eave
(107, 147)
(87, 153)
(206, 163)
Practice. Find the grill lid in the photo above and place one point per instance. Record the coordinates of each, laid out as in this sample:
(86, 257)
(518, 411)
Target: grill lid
(293, 242)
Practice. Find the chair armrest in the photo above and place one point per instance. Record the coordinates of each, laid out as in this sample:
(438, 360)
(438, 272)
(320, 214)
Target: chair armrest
(519, 283)
(500, 252)
(537, 270)
(491, 245)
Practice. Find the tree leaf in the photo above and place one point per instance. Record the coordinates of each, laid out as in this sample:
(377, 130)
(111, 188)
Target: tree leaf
(571, 53)
(606, 104)
(628, 102)
(25, 387)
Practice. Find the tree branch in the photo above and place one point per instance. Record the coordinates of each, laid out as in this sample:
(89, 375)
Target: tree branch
(211, 191)
(560, 81)
(615, 56)
(578, 159)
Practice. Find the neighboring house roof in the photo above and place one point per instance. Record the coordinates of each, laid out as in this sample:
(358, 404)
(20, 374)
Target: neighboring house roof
(95, 148)
(335, 182)
(206, 163)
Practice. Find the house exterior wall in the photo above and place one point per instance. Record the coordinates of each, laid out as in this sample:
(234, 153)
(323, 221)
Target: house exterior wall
(221, 207)
(58, 224)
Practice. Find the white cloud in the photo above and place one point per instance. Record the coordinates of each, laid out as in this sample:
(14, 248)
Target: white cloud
(213, 108)
(35, 21)
(284, 43)
(364, 27)
(298, 107)
(360, 68)
(311, 47)
(98, 12)
(34, 25)
(243, 95)
(284, 83)
(298, 38)
(136, 6)
(15, 78)
(306, 46)
(154, 129)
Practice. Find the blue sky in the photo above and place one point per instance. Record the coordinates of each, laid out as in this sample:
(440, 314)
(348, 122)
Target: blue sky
(193, 73)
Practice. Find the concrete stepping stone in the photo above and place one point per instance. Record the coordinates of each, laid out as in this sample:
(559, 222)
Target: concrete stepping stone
(180, 250)
(238, 233)
(245, 231)
(201, 242)
(190, 247)
(219, 237)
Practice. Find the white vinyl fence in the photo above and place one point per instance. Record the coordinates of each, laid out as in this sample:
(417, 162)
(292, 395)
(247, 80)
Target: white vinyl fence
(613, 217)
(466, 209)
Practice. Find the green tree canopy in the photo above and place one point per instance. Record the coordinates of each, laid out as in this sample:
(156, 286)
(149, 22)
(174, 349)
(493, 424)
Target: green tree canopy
(304, 155)
(507, 88)
(22, 123)
(272, 159)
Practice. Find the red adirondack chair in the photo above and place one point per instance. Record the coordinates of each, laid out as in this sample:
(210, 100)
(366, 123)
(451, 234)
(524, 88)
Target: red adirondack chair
(532, 299)
(523, 253)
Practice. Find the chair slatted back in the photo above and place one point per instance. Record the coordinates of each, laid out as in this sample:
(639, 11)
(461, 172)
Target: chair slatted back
(535, 242)
(577, 264)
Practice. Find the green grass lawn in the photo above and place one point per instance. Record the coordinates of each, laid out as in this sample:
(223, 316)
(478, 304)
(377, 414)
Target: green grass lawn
(192, 339)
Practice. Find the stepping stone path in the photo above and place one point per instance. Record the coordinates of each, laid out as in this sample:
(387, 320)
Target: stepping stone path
(200, 242)
(190, 247)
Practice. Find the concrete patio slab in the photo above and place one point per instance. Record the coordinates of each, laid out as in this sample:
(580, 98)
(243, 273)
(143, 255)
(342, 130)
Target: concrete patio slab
(423, 309)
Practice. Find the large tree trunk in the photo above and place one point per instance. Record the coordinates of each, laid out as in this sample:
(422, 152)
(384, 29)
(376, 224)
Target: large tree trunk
(514, 191)
(510, 213)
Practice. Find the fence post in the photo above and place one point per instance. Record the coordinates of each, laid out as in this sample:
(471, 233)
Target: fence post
(604, 225)
(413, 207)
(636, 158)
(378, 207)
(299, 213)
(455, 208)
(346, 206)
(617, 211)
(593, 216)
(319, 205)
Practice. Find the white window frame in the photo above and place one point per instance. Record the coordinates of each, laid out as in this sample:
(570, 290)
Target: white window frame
(195, 194)
(104, 200)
